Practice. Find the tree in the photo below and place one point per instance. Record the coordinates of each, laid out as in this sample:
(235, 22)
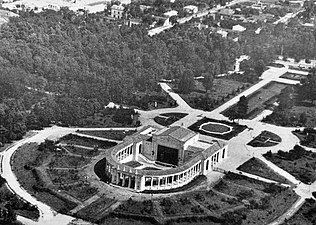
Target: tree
(208, 81)
(242, 107)
(286, 99)
(307, 90)
(186, 82)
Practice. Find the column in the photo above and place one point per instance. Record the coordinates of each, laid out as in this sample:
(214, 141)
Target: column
(117, 178)
(129, 181)
(123, 184)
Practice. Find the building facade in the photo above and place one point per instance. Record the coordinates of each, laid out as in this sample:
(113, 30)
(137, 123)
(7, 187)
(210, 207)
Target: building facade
(117, 11)
(154, 159)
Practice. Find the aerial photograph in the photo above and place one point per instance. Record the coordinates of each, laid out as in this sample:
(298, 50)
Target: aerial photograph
(166, 112)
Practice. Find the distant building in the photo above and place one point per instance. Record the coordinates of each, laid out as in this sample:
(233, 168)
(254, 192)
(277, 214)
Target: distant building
(117, 11)
(225, 13)
(171, 13)
(134, 22)
(238, 28)
(223, 33)
(191, 9)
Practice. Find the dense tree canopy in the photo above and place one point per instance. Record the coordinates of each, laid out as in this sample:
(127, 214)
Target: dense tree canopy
(60, 66)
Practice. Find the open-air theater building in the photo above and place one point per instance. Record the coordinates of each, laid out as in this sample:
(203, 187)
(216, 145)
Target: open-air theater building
(158, 159)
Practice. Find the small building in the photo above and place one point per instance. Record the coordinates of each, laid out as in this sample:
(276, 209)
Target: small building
(239, 28)
(192, 9)
(223, 33)
(170, 13)
(117, 11)
(134, 22)
(225, 13)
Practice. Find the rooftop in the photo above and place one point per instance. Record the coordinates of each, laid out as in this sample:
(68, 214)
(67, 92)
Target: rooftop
(179, 133)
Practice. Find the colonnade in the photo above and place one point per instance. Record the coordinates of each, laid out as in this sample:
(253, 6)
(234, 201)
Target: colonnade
(174, 180)
(124, 153)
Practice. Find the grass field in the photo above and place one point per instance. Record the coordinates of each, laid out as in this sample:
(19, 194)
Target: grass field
(109, 134)
(306, 214)
(95, 211)
(257, 167)
(265, 139)
(72, 139)
(261, 99)
(223, 90)
(26, 155)
(299, 163)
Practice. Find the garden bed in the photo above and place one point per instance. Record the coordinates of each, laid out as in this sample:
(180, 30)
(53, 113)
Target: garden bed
(72, 139)
(179, 207)
(306, 215)
(293, 76)
(298, 162)
(63, 176)
(95, 211)
(30, 181)
(265, 203)
(109, 134)
(166, 119)
(307, 137)
(257, 167)
(87, 152)
(265, 139)
(68, 161)
(236, 128)
(135, 207)
(80, 191)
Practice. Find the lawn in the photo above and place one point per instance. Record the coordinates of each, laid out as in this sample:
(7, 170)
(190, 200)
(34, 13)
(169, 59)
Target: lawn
(100, 120)
(305, 215)
(80, 191)
(68, 161)
(265, 205)
(293, 76)
(179, 207)
(215, 128)
(109, 134)
(95, 211)
(257, 167)
(87, 152)
(236, 128)
(215, 201)
(130, 206)
(298, 162)
(223, 90)
(124, 221)
(63, 176)
(265, 139)
(26, 155)
(260, 99)
(307, 137)
(72, 139)
(166, 119)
